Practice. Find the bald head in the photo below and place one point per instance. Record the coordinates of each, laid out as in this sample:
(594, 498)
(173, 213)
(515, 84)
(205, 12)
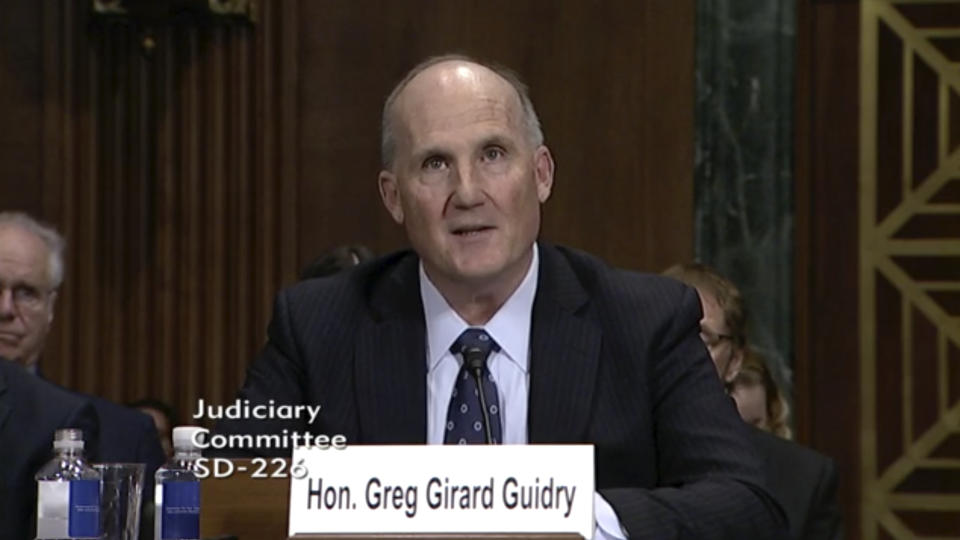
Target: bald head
(451, 77)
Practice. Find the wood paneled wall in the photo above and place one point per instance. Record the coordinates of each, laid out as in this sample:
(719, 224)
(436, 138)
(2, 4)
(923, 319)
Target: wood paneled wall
(826, 144)
(172, 172)
(21, 54)
(194, 179)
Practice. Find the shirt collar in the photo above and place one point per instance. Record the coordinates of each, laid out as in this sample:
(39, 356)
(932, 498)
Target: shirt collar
(509, 326)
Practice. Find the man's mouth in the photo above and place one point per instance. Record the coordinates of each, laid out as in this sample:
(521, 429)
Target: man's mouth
(471, 230)
(9, 338)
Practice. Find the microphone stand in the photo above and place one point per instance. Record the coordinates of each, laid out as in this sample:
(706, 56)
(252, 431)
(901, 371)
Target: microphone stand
(475, 359)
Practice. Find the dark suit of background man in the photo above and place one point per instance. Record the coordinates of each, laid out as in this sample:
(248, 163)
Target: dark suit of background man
(604, 356)
(803, 481)
(31, 272)
(31, 410)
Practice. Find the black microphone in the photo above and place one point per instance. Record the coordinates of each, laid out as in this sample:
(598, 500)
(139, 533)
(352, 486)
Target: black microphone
(474, 359)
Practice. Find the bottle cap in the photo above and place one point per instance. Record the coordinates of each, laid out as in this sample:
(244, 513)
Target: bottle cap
(68, 439)
(185, 437)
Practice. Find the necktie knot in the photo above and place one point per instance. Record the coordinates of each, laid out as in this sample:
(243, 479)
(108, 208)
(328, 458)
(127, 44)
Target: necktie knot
(474, 340)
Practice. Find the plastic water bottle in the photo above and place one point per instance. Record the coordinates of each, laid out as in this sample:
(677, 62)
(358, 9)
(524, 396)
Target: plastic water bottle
(177, 491)
(68, 491)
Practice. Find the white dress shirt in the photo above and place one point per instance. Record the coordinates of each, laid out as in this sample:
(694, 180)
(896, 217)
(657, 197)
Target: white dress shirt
(510, 328)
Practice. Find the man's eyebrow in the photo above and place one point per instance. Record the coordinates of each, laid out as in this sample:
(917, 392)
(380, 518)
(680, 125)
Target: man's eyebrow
(19, 283)
(429, 151)
(496, 140)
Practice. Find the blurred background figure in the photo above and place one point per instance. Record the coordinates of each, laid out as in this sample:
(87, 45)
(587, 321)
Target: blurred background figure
(337, 260)
(723, 327)
(164, 417)
(758, 398)
(802, 480)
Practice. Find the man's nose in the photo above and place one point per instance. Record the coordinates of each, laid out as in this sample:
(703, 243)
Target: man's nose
(7, 308)
(468, 191)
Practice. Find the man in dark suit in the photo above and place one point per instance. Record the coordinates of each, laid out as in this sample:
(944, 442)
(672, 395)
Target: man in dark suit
(577, 351)
(31, 272)
(802, 480)
(805, 483)
(31, 410)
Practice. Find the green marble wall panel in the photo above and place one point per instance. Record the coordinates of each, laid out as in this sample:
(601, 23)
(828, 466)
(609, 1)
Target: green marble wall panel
(744, 165)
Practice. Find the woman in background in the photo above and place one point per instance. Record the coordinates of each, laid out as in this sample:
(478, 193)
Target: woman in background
(758, 398)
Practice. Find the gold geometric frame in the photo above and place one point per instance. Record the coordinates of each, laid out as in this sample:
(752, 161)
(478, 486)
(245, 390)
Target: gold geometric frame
(879, 247)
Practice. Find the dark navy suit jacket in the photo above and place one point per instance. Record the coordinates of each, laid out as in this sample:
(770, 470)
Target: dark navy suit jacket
(615, 360)
(31, 410)
(805, 484)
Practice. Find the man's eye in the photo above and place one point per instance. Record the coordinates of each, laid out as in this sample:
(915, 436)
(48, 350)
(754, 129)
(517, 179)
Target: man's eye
(435, 163)
(28, 294)
(492, 154)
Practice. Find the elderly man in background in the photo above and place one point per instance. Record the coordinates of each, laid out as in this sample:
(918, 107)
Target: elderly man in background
(31, 272)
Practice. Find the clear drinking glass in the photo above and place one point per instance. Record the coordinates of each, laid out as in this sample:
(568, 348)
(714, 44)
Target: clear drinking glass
(121, 499)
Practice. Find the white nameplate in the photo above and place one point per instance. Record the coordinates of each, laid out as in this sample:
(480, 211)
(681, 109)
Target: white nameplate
(443, 489)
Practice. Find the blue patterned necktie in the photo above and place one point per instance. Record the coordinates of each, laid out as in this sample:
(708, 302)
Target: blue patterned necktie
(464, 417)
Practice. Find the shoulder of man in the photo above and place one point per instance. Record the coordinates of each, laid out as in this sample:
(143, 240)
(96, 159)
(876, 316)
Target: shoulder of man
(44, 399)
(620, 290)
(792, 470)
(597, 275)
(127, 435)
(781, 451)
(37, 408)
(354, 286)
(804, 481)
(123, 420)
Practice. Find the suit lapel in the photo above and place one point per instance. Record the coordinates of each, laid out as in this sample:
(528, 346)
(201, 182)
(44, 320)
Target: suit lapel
(391, 369)
(564, 354)
(391, 365)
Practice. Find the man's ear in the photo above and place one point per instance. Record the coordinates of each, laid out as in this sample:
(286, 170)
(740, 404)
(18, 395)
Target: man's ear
(543, 167)
(53, 305)
(390, 195)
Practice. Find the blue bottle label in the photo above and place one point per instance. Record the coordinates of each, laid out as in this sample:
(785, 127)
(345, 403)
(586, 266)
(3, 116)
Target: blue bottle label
(180, 516)
(84, 509)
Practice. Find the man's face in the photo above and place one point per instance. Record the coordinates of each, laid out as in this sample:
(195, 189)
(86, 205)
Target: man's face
(26, 295)
(466, 182)
(726, 356)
